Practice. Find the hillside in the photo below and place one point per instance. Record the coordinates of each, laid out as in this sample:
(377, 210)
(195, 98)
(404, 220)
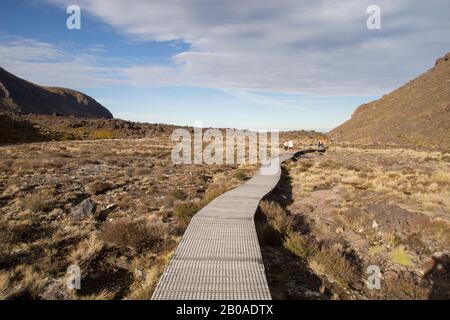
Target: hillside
(19, 95)
(24, 128)
(415, 115)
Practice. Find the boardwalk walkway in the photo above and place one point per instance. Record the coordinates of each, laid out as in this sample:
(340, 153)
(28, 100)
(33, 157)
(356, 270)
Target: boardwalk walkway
(219, 257)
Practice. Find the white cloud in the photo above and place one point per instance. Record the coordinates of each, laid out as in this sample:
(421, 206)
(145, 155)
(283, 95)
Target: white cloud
(290, 46)
(46, 64)
(320, 47)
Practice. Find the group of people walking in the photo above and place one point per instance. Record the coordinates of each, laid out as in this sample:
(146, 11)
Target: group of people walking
(288, 145)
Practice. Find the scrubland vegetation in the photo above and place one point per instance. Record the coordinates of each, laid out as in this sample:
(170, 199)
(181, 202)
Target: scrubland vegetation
(335, 214)
(122, 240)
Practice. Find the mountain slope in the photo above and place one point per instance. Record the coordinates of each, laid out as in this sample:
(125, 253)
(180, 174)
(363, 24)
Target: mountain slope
(19, 95)
(415, 115)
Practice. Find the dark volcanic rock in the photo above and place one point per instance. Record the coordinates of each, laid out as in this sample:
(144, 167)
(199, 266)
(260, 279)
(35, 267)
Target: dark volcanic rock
(19, 95)
(85, 209)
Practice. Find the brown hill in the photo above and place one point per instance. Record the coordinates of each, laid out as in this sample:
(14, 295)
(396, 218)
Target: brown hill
(24, 128)
(19, 95)
(415, 115)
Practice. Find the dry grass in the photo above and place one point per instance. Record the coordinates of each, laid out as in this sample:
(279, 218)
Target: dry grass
(143, 290)
(240, 175)
(276, 216)
(142, 171)
(4, 285)
(135, 179)
(429, 190)
(38, 202)
(138, 234)
(324, 259)
(102, 295)
(405, 287)
(87, 249)
(6, 238)
(97, 187)
(300, 245)
(22, 282)
(330, 261)
(186, 210)
(390, 207)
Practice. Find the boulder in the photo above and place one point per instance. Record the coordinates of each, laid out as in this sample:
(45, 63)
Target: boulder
(85, 209)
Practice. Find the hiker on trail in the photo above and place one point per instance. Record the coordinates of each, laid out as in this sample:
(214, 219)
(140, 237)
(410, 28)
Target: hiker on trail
(291, 144)
(285, 146)
(319, 143)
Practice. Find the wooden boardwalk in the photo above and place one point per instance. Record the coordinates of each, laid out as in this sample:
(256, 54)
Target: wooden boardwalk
(219, 257)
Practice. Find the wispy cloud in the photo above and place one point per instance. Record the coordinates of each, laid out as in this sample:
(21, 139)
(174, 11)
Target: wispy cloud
(291, 46)
(48, 64)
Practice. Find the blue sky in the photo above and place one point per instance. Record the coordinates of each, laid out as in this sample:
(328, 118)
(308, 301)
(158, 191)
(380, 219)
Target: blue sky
(243, 65)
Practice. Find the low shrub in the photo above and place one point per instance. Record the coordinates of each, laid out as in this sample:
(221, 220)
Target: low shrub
(276, 216)
(97, 187)
(300, 245)
(186, 210)
(137, 234)
(37, 202)
(240, 175)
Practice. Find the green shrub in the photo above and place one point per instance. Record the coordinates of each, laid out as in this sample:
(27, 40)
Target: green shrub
(186, 210)
(240, 175)
(300, 245)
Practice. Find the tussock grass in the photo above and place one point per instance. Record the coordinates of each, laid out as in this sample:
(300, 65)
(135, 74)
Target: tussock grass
(6, 238)
(98, 186)
(102, 295)
(276, 215)
(137, 234)
(37, 202)
(240, 175)
(400, 256)
(330, 261)
(300, 245)
(87, 249)
(186, 210)
(23, 282)
(405, 288)
(322, 258)
(143, 290)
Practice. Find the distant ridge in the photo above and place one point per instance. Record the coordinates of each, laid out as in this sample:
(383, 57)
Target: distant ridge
(415, 115)
(18, 95)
